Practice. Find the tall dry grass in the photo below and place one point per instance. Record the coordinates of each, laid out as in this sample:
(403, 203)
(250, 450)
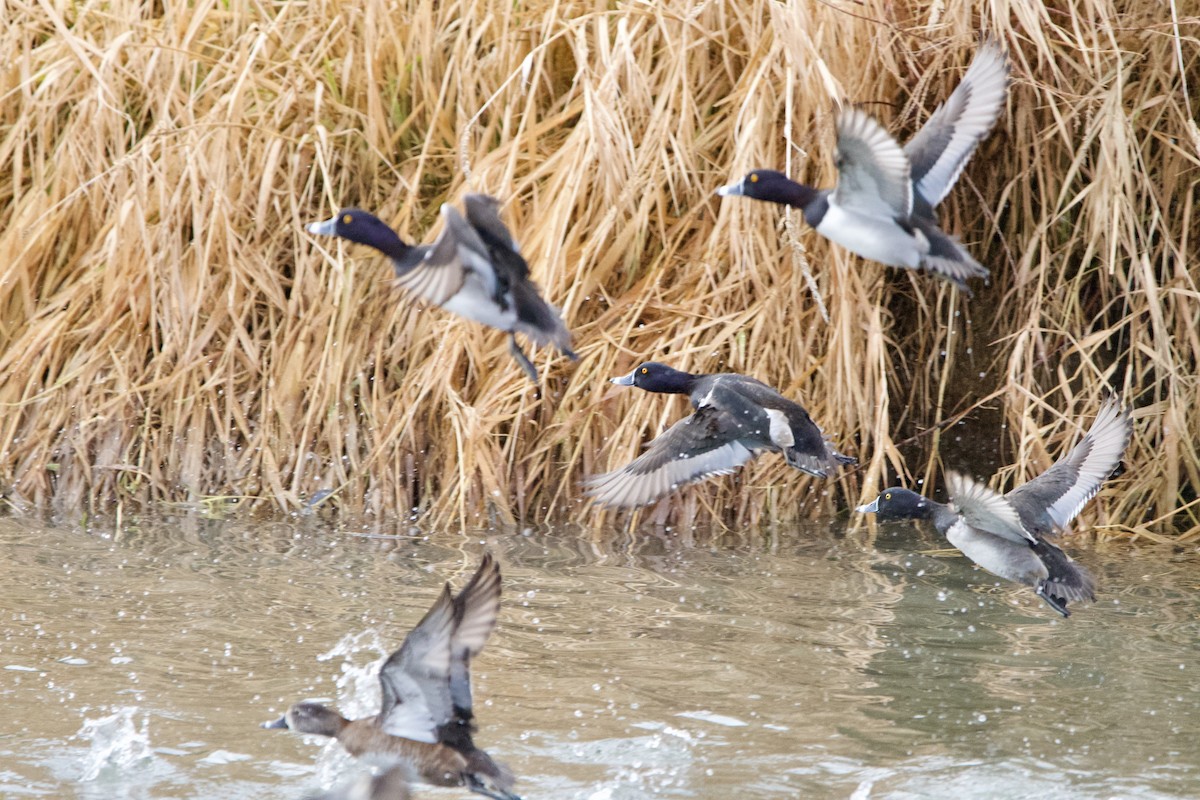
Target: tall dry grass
(169, 333)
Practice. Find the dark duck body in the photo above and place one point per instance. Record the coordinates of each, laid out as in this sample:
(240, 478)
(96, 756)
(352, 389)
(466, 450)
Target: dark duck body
(425, 718)
(474, 269)
(1008, 534)
(883, 205)
(735, 418)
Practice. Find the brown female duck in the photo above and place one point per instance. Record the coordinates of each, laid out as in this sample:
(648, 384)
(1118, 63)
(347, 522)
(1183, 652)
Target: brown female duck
(425, 718)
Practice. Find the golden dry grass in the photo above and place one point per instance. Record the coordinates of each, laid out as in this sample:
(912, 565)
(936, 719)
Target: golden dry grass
(169, 333)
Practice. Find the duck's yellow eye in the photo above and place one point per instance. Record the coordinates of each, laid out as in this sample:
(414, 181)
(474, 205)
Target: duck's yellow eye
(754, 177)
(347, 219)
(645, 371)
(887, 496)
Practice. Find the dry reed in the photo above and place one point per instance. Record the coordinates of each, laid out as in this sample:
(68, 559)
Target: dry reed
(169, 333)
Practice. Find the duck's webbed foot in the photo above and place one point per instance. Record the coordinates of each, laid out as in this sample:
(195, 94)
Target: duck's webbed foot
(521, 358)
(479, 787)
(1056, 603)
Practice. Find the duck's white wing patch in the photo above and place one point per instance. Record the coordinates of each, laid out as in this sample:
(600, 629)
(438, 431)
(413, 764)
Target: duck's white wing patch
(410, 717)
(940, 150)
(695, 448)
(780, 429)
(986, 510)
(473, 253)
(415, 680)
(873, 172)
(1066, 487)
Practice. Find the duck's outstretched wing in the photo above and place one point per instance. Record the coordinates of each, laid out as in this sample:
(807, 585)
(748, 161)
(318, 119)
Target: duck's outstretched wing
(940, 150)
(697, 447)
(457, 253)
(1065, 488)
(986, 510)
(476, 609)
(483, 212)
(536, 318)
(415, 680)
(873, 172)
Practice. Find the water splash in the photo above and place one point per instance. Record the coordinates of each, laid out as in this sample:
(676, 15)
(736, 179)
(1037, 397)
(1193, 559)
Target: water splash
(116, 742)
(362, 654)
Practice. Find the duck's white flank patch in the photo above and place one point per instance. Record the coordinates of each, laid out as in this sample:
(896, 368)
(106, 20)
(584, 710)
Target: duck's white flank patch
(781, 429)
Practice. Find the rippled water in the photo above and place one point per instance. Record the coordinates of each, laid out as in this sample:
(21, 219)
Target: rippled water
(792, 662)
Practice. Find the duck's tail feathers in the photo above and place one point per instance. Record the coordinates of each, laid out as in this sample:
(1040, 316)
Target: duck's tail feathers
(541, 321)
(948, 259)
(1067, 581)
(818, 465)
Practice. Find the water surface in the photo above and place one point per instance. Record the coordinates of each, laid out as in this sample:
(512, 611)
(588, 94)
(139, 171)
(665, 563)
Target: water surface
(800, 661)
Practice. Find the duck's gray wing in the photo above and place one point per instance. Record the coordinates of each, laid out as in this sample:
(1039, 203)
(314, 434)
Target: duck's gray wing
(476, 609)
(1065, 488)
(697, 447)
(457, 254)
(415, 680)
(986, 510)
(873, 172)
(483, 212)
(940, 150)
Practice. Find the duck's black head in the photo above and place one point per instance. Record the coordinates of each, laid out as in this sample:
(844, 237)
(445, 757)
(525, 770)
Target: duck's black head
(899, 503)
(310, 718)
(361, 227)
(771, 186)
(655, 377)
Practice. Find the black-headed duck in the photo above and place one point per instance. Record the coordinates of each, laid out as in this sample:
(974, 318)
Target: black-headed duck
(474, 269)
(1007, 534)
(883, 205)
(425, 718)
(735, 418)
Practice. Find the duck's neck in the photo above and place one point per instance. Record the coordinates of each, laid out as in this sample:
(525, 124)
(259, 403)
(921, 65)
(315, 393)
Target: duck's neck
(787, 192)
(673, 381)
(815, 206)
(942, 516)
(386, 241)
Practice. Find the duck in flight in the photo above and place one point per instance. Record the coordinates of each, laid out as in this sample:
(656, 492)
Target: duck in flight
(474, 269)
(1008, 534)
(736, 417)
(882, 207)
(425, 718)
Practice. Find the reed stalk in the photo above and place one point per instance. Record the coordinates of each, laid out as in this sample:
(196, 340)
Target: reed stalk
(168, 332)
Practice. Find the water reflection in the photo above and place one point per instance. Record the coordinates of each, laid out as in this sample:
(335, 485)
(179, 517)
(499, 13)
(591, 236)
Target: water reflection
(774, 662)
